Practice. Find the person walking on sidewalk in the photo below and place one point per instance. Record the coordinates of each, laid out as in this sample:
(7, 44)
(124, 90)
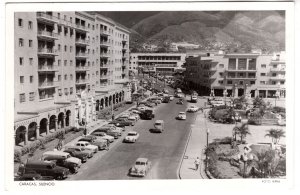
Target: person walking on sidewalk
(197, 163)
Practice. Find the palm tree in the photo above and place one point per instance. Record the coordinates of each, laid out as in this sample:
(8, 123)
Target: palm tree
(275, 135)
(242, 131)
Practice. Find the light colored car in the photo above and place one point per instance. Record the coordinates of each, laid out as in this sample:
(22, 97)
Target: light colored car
(136, 112)
(171, 97)
(90, 153)
(140, 167)
(104, 136)
(87, 146)
(192, 109)
(115, 127)
(142, 108)
(131, 137)
(137, 116)
(181, 116)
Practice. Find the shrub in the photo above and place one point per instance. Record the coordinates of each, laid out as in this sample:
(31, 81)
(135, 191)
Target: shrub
(17, 155)
(254, 121)
(278, 109)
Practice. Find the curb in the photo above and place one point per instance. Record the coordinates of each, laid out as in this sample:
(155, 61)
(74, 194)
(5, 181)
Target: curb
(185, 148)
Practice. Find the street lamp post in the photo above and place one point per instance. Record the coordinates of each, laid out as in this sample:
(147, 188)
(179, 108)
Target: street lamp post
(207, 134)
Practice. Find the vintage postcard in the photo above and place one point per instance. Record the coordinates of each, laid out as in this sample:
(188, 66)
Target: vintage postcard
(182, 95)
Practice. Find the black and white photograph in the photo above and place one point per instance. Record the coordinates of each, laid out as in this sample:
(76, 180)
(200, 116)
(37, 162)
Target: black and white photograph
(172, 91)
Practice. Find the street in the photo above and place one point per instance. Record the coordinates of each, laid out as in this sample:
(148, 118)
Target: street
(163, 150)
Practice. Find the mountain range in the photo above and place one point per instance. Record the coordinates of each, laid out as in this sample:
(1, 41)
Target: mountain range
(210, 29)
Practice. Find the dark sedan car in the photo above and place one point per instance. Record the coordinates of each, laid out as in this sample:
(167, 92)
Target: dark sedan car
(122, 122)
(77, 153)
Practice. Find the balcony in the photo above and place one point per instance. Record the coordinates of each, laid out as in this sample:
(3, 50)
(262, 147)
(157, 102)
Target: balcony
(104, 55)
(82, 81)
(81, 68)
(47, 69)
(104, 66)
(80, 27)
(104, 33)
(44, 17)
(47, 35)
(82, 42)
(124, 42)
(46, 52)
(278, 69)
(81, 55)
(103, 77)
(104, 44)
(124, 50)
(241, 70)
(46, 84)
(278, 78)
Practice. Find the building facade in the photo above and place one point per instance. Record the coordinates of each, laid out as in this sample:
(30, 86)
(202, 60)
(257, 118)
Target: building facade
(236, 74)
(68, 66)
(162, 63)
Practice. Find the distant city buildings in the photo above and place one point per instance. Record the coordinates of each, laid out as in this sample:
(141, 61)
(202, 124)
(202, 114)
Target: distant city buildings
(161, 63)
(237, 74)
(174, 46)
(68, 66)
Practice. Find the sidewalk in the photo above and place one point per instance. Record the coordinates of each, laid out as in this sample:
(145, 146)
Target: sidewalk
(195, 147)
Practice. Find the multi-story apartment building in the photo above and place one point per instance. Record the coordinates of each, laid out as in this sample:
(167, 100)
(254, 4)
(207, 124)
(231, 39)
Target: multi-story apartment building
(236, 74)
(68, 66)
(163, 63)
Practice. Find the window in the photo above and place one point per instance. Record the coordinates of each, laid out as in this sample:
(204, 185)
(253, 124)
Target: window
(31, 96)
(31, 79)
(93, 27)
(262, 82)
(65, 17)
(59, 92)
(221, 74)
(232, 64)
(71, 62)
(66, 77)
(22, 97)
(71, 77)
(30, 61)
(263, 66)
(66, 31)
(262, 74)
(221, 65)
(220, 82)
(58, 47)
(65, 48)
(65, 62)
(71, 19)
(58, 15)
(20, 22)
(273, 74)
(59, 78)
(66, 91)
(21, 42)
(71, 48)
(59, 29)
(21, 79)
(241, 82)
(30, 43)
(58, 62)
(29, 25)
(21, 61)
(252, 82)
(71, 90)
(229, 82)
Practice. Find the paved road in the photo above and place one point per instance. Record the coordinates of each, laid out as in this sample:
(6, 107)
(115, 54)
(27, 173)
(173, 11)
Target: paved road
(163, 150)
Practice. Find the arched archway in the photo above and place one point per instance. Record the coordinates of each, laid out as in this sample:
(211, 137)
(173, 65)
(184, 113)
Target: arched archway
(20, 135)
(32, 131)
(52, 122)
(43, 126)
(110, 100)
(60, 120)
(120, 97)
(101, 103)
(68, 115)
(106, 101)
(114, 98)
(97, 105)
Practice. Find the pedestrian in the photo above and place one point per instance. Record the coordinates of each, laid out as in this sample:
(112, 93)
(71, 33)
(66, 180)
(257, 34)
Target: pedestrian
(197, 163)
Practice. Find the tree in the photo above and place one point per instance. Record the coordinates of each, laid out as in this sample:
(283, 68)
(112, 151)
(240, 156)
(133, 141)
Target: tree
(267, 162)
(259, 102)
(275, 135)
(242, 131)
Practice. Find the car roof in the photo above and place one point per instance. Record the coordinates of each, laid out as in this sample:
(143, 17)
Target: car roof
(142, 159)
(181, 112)
(132, 132)
(54, 152)
(159, 121)
(84, 142)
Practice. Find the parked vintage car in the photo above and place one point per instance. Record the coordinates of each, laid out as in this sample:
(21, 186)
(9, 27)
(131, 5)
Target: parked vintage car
(32, 177)
(140, 167)
(87, 145)
(101, 143)
(181, 116)
(103, 135)
(180, 101)
(44, 168)
(77, 153)
(122, 122)
(80, 149)
(109, 131)
(131, 137)
(158, 126)
(118, 129)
